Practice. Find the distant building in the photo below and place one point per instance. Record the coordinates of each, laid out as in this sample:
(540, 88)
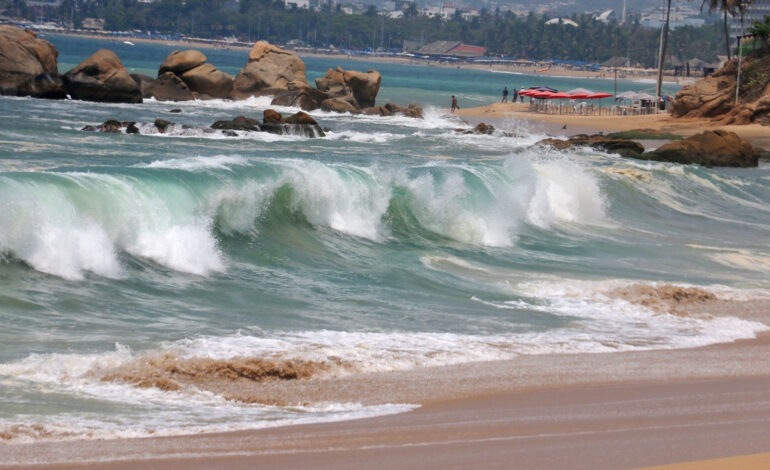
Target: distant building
(756, 11)
(566, 21)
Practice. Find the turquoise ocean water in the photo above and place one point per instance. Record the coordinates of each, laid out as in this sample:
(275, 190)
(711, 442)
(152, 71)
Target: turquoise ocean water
(390, 244)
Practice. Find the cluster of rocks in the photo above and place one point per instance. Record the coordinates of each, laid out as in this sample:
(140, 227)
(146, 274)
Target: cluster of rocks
(623, 147)
(709, 148)
(28, 67)
(714, 96)
(297, 124)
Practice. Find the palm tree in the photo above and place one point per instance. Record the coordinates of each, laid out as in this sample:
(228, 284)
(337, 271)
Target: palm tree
(727, 6)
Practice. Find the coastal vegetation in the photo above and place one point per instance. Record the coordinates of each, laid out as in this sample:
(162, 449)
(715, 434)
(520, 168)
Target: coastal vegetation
(501, 33)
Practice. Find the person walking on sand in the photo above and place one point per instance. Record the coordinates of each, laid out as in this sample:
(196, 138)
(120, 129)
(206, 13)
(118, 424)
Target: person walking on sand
(505, 95)
(454, 103)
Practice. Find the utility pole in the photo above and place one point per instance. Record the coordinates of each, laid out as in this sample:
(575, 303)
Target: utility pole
(662, 51)
(740, 61)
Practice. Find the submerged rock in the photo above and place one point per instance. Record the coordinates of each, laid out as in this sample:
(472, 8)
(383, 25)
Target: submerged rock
(709, 148)
(623, 147)
(102, 77)
(162, 125)
(113, 126)
(240, 123)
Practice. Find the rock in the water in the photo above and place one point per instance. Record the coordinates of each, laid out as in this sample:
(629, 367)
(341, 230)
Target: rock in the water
(710, 148)
(168, 87)
(162, 125)
(272, 116)
(300, 96)
(175, 110)
(179, 62)
(623, 147)
(113, 126)
(362, 87)
(269, 67)
(241, 123)
(206, 79)
(28, 65)
(301, 118)
(339, 105)
(102, 77)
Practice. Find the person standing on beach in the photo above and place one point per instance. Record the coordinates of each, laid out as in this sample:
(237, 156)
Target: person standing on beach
(515, 95)
(454, 103)
(505, 95)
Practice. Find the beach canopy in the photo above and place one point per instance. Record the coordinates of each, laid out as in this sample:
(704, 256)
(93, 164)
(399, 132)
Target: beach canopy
(543, 94)
(598, 96)
(561, 96)
(644, 96)
(580, 91)
(579, 96)
(527, 92)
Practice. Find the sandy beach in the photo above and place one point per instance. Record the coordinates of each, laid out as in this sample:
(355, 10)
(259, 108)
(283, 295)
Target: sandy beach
(579, 411)
(554, 124)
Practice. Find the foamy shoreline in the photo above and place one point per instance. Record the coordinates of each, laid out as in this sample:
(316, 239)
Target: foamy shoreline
(462, 387)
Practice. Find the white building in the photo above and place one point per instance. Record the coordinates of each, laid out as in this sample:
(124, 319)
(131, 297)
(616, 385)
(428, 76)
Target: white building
(756, 11)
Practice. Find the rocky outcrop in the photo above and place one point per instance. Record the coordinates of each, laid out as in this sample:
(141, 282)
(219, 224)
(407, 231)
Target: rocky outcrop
(168, 87)
(710, 148)
(28, 65)
(195, 78)
(339, 105)
(301, 96)
(391, 109)
(714, 97)
(296, 124)
(269, 69)
(623, 147)
(361, 87)
(102, 77)
(179, 62)
(207, 80)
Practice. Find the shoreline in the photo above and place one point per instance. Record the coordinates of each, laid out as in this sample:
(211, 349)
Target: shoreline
(553, 124)
(484, 414)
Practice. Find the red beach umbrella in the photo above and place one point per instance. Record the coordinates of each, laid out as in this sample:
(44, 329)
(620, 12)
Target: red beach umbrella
(543, 94)
(579, 96)
(561, 96)
(597, 96)
(526, 93)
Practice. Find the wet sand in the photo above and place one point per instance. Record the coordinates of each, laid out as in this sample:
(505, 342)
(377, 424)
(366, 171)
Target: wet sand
(592, 411)
(553, 124)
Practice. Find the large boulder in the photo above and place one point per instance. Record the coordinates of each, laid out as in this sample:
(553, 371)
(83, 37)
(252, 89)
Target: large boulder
(710, 148)
(623, 147)
(102, 77)
(268, 67)
(301, 96)
(339, 105)
(168, 87)
(179, 62)
(207, 80)
(240, 123)
(28, 65)
(363, 87)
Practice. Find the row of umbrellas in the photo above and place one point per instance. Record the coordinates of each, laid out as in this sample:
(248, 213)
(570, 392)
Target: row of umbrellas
(576, 94)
